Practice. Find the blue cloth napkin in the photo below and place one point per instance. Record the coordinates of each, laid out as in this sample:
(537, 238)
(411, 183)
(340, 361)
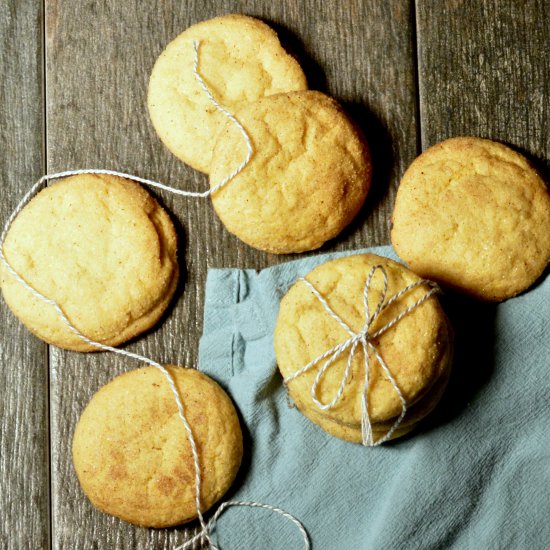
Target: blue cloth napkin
(475, 475)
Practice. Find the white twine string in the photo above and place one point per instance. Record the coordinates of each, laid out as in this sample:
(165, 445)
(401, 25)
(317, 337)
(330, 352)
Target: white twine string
(230, 503)
(366, 341)
(231, 117)
(152, 183)
(206, 528)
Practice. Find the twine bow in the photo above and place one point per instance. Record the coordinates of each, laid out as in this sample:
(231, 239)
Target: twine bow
(366, 340)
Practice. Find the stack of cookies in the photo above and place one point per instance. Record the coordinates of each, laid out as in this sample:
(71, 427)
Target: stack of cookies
(417, 349)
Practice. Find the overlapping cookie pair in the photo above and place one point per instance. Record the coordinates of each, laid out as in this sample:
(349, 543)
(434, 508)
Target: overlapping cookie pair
(310, 169)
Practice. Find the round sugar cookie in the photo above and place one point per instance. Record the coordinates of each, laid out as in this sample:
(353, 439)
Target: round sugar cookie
(132, 454)
(473, 214)
(417, 349)
(308, 177)
(240, 60)
(99, 246)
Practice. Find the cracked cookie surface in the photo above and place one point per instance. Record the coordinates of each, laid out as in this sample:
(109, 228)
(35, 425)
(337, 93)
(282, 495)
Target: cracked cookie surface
(474, 215)
(132, 454)
(308, 176)
(240, 60)
(103, 249)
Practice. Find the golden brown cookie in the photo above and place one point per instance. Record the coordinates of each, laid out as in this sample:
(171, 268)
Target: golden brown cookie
(417, 349)
(307, 179)
(132, 454)
(103, 249)
(240, 60)
(474, 215)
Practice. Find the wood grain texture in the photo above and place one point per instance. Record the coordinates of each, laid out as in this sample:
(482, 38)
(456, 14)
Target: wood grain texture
(24, 441)
(99, 57)
(484, 71)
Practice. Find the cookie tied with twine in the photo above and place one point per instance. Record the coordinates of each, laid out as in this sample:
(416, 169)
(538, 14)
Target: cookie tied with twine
(364, 348)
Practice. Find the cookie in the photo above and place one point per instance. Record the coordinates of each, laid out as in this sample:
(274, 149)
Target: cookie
(240, 60)
(417, 349)
(103, 249)
(132, 455)
(474, 215)
(307, 179)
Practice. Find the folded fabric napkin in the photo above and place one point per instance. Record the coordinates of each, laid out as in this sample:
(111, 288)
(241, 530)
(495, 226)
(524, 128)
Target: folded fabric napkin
(476, 474)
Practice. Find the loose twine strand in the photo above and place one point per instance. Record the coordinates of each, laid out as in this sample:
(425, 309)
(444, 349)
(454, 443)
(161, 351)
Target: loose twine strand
(205, 528)
(366, 341)
(152, 183)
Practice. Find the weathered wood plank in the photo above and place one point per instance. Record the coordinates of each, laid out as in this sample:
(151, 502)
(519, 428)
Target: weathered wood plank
(484, 71)
(24, 441)
(97, 74)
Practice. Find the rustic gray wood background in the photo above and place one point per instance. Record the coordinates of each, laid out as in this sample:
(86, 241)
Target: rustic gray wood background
(73, 84)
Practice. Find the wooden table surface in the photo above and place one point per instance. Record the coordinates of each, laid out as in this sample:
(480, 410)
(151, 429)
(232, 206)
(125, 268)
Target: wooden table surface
(73, 90)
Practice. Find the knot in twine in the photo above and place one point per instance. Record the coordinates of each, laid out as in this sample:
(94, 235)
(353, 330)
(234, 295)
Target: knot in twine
(366, 340)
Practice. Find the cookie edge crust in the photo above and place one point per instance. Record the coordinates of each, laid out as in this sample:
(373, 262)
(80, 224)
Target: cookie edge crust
(416, 413)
